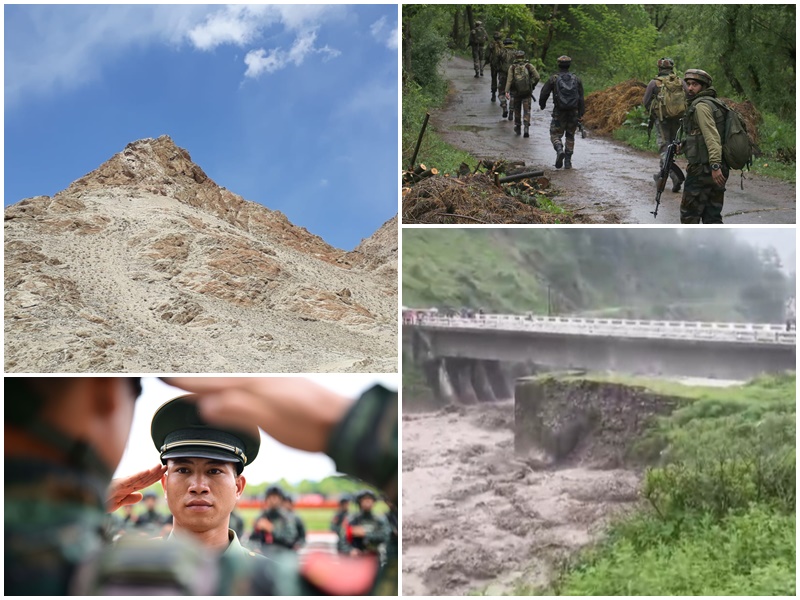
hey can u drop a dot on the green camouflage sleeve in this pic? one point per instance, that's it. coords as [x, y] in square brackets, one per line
[364, 444]
[379, 535]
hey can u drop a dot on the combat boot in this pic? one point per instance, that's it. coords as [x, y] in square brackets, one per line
[493, 97]
[568, 161]
[526, 134]
[510, 115]
[476, 74]
[517, 128]
[505, 113]
[559, 157]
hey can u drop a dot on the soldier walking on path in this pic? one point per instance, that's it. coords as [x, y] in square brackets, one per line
[522, 77]
[506, 60]
[703, 127]
[494, 56]
[568, 109]
[477, 38]
[665, 102]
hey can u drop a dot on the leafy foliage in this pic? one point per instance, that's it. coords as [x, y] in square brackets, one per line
[613, 272]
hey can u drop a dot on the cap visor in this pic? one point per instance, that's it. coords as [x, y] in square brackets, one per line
[201, 452]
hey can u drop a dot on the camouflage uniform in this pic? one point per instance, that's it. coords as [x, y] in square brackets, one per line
[702, 199]
[563, 121]
[521, 102]
[477, 38]
[506, 60]
[284, 530]
[377, 531]
[494, 56]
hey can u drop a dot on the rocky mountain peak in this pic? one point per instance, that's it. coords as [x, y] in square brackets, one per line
[147, 265]
[149, 162]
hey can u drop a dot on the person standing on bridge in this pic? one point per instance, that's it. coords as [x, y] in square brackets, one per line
[703, 127]
[477, 38]
[522, 77]
[568, 109]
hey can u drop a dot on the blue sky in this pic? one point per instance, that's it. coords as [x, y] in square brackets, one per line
[291, 106]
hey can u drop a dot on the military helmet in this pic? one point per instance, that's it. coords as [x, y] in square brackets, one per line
[520, 53]
[344, 498]
[508, 42]
[496, 35]
[274, 490]
[149, 495]
[178, 431]
[564, 60]
[698, 75]
[478, 23]
[666, 63]
[365, 494]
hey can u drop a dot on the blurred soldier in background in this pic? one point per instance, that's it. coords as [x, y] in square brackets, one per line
[150, 520]
[274, 525]
[365, 532]
[299, 526]
[339, 519]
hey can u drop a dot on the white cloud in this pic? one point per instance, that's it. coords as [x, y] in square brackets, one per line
[58, 48]
[392, 42]
[259, 61]
[377, 30]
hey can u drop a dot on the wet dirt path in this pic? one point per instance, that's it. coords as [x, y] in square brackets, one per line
[475, 517]
[610, 182]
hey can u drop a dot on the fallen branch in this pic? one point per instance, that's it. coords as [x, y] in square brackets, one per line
[460, 217]
[519, 176]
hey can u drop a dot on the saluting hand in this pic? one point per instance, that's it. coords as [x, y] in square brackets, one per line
[293, 410]
[125, 490]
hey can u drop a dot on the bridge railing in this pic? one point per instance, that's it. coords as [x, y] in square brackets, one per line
[690, 330]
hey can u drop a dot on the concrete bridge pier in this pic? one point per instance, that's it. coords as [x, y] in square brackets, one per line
[480, 378]
[502, 385]
[461, 372]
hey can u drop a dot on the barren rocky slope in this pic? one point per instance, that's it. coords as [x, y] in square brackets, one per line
[147, 265]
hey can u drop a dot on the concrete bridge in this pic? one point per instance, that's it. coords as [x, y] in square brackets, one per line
[464, 356]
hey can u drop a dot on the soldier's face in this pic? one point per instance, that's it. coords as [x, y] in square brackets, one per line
[693, 87]
[201, 493]
[366, 503]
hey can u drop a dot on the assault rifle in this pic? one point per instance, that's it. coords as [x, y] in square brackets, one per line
[663, 176]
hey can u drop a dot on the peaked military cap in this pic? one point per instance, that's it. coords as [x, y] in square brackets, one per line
[178, 431]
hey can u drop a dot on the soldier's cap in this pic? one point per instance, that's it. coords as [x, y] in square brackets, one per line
[345, 498]
[508, 42]
[274, 490]
[478, 22]
[666, 63]
[520, 53]
[697, 75]
[149, 495]
[564, 59]
[178, 431]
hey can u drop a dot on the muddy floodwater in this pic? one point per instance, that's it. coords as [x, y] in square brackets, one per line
[610, 182]
[476, 517]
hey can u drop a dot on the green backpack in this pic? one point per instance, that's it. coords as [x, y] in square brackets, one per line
[737, 149]
[522, 79]
[671, 100]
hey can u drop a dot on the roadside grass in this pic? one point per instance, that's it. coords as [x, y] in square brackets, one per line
[433, 152]
[718, 513]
